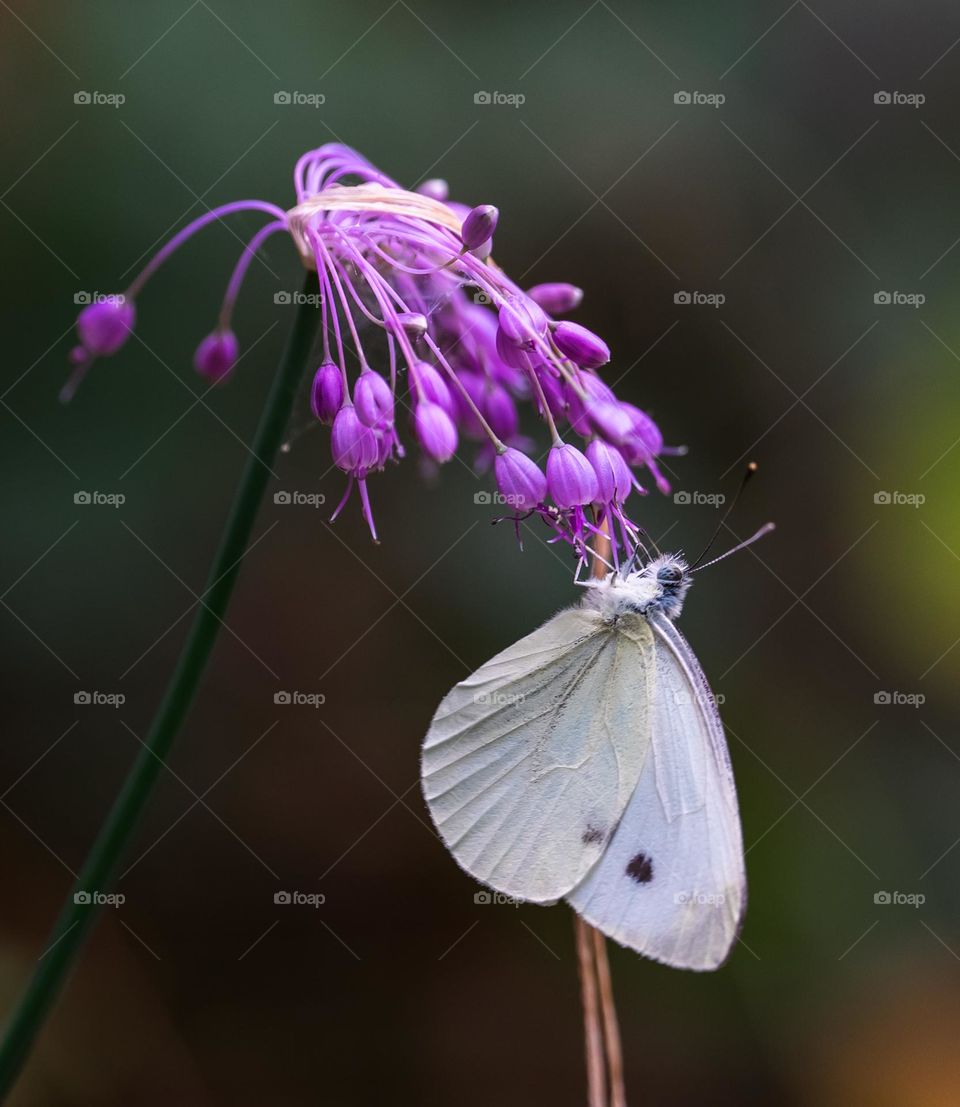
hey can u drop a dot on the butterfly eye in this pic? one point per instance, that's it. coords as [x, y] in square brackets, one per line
[669, 574]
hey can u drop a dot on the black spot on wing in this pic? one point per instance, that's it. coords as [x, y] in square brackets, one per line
[592, 835]
[640, 868]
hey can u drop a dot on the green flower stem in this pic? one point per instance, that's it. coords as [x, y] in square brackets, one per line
[76, 920]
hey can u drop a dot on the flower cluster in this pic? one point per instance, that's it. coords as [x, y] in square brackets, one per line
[419, 324]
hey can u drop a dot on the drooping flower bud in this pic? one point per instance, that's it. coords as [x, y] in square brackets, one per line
[216, 355]
[478, 227]
[373, 399]
[326, 392]
[594, 393]
[433, 387]
[645, 440]
[436, 188]
[643, 444]
[501, 412]
[353, 445]
[478, 349]
[583, 347]
[466, 417]
[435, 431]
[614, 480]
[611, 421]
[556, 298]
[513, 356]
[103, 327]
[522, 321]
[520, 480]
[570, 477]
[552, 392]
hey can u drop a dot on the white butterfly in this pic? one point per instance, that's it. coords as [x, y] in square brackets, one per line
[588, 761]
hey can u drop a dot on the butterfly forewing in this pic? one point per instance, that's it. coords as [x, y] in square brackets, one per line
[671, 884]
[529, 763]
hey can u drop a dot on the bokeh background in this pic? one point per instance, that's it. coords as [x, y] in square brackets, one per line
[798, 200]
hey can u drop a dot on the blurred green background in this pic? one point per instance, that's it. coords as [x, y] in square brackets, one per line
[799, 199]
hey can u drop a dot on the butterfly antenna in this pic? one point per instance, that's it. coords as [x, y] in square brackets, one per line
[751, 469]
[765, 529]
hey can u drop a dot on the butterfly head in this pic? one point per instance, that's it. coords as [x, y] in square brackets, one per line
[660, 585]
[671, 577]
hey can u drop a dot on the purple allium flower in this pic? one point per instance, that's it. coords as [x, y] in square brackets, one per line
[104, 326]
[353, 443]
[431, 386]
[468, 399]
[522, 322]
[552, 387]
[581, 346]
[435, 430]
[510, 354]
[644, 445]
[436, 188]
[478, 227]
[326, 392]
[614, 479]
[557, 298]
[373, 400]
[610, 421]
[407, 293]
[216, 355]
[520, 480]
[501, 412]
[584, 393]
[570, 477]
